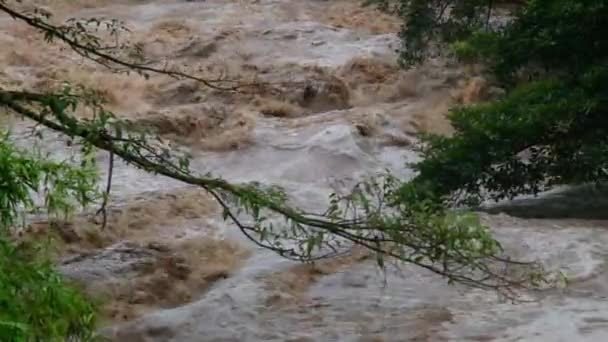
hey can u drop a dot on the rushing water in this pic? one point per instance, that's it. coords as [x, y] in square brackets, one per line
[306, 156]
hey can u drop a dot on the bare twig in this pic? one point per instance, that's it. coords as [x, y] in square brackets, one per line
[103, 210]
[489, 14]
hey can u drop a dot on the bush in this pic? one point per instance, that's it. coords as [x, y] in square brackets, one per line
[548, 129]
[36, 304]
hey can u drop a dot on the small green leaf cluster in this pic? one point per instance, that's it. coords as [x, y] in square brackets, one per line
[35, 303]
[61, 184]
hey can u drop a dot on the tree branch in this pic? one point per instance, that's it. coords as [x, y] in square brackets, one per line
[384, 240]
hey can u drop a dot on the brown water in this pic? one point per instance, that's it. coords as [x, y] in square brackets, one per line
[348, 53]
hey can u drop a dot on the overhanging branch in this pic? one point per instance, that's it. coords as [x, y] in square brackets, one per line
[376, 238]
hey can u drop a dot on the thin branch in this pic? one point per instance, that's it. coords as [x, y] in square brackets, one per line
[103, 209]
[95, 54]
[142, 155]
[489, 14]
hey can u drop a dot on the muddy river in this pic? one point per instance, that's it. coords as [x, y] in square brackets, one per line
[361, 120]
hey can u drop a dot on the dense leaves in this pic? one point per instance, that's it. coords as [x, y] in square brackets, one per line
[548, 129]
[544, 133]
[429, 23]
[35, 304]
[559, 38]
[61, 185]
[566, 35]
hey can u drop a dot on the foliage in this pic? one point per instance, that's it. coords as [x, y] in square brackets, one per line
[560, 34]
[428, 23]
[548, 129]
[541, 134]
[35, 304]
[565, 37]
[63, 185]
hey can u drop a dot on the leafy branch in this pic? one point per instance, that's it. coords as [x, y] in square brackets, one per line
[373, 215]
[455, 246]
[430, 24]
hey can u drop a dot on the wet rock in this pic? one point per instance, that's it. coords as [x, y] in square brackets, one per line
[583, 202]
[198, 49]
[351, 279]
[363, 130]
[176, 267]
[157, 246]
[215, 276]
[178, 93]
[313, 88]
[366, 70]
[279, 297]
[139, 333]
[142, 297]
[206, 126]
[120, 260]
[66, 232]
[322, 94]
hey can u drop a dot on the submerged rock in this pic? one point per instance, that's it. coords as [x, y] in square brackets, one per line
[118, 261]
